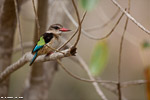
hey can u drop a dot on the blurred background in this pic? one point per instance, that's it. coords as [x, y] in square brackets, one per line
[135, 58]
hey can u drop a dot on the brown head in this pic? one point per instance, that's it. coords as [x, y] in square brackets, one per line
[57, 29]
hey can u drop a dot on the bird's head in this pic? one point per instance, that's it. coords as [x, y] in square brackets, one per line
[57, 29]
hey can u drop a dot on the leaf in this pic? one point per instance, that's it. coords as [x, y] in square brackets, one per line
[99, 58]
[88, 4]
[146, 44]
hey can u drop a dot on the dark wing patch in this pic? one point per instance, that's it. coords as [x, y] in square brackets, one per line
[48, 37]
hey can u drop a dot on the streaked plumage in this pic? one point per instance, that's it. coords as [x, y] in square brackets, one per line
[48, 40]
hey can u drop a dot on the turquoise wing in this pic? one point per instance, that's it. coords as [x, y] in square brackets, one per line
[36, 48]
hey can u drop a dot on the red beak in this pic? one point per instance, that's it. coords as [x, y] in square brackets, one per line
[64, 30]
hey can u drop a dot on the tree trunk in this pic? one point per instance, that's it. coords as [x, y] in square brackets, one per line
[7, 29]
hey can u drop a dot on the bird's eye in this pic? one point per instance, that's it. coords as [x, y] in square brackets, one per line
[56, 27]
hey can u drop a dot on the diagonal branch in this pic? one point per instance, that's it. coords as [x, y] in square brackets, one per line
[131, 18]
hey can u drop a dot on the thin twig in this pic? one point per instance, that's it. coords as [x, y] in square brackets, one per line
[79, 60]
[70, 38]
[36, 18]
[79, 23]
[120, 55]
[19, 25]
[83, 31]
[104, 25]
[95, 84]
[133, 83]
[131, 18]
[83, 79]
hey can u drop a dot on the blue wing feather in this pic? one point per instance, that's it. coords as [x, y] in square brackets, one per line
[36, 48]
[33, 59]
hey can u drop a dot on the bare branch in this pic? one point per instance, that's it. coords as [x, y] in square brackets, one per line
[95, 84]
[120, 55]
[82, 63]
[19, 25]
[83, 31]
[83, 79]
[131, 18]
[104, 25]
[133, 83]
[36, 18]
[71, 37]
[79, 23]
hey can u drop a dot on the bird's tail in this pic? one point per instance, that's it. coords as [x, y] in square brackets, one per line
[33, 59]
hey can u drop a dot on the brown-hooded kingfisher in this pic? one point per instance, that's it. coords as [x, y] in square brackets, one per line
[48, 41]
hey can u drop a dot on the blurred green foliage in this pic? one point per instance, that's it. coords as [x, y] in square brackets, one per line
[145, 44]
[99, 58]
[88, 4]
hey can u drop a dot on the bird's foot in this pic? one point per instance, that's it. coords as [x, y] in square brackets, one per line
[48, 54]
[73, 51]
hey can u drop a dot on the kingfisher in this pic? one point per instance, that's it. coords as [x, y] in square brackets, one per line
[49, 41]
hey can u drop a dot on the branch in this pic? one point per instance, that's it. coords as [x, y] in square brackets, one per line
[133, 83]
[131, 18]
[28, 57]
[79, 23]
[83, 31]
[104, 25]
[19, 25]
[95, 84]
[36, 18]
[85, 80]
[120, 55]
[79, 60]
[71, 37]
